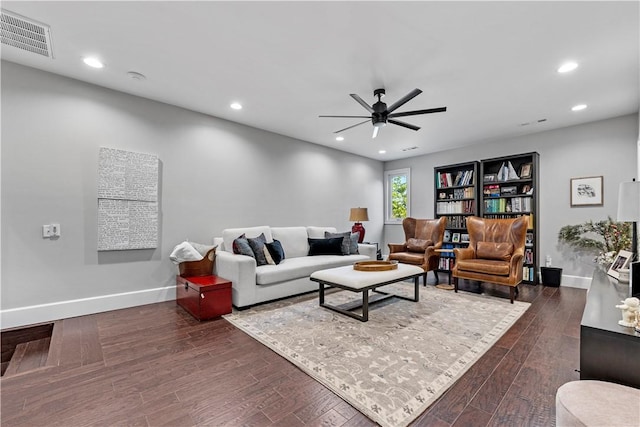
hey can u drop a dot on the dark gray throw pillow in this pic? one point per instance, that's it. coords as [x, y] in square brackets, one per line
[276, 251]
[257, 245]
[346, 240]
[241, 246]
[325, 246]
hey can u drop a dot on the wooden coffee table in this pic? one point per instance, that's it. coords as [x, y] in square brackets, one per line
[363, 281]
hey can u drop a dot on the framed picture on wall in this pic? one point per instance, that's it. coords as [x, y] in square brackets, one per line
[620, 261]
[587, 191]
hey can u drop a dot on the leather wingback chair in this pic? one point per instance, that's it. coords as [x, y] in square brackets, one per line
[422, 238]
[495, 253]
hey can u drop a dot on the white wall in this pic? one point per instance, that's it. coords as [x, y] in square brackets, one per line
[215, 174]
[607, 148]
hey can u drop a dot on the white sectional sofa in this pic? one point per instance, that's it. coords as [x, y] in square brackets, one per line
[253, 284]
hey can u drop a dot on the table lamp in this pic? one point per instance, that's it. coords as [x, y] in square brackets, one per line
[629, 211]
[358, 215]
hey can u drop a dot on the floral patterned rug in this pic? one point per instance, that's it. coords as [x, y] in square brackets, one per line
[394, 366]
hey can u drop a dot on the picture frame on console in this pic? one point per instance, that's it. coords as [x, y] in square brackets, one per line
[622, 260]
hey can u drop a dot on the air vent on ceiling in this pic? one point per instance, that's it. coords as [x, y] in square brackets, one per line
[26, 34]
[410, 148]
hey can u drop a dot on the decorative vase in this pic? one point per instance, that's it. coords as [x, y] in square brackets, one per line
[358, 227]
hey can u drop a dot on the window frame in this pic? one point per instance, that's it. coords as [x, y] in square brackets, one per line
[388, 178]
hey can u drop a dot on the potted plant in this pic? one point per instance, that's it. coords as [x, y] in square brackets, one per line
[603, 238]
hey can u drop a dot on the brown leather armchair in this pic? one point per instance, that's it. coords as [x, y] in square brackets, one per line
[495, 253]
[423, 237]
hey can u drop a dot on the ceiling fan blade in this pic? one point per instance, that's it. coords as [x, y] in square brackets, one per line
[361, 102]
[416, 112]
[349, 117]
[408, 97]
[357, 124]
[403, 124]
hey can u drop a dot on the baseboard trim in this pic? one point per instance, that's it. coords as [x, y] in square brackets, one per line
[34, 314]
[575, 282]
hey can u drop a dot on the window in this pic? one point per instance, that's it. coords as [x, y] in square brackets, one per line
[396, 195]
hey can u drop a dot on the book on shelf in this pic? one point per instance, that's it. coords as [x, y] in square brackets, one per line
[528, 273]
[491, 190]
[454, 207]
[461, 178]
[456, 222]
[513, 204]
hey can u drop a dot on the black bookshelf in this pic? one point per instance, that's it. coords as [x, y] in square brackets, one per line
[456, 198]
[508, 189]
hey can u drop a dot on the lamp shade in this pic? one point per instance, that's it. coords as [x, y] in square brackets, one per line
[629, 201]
[358, 214]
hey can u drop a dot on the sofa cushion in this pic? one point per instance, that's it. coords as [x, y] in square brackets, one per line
[230, 234]
[276, 251]
[325, 246]
[296, 268]
[293, 240]
[257, 246]
[418, 245]
[318, 232]
[241, 246]
[491, 250]
[346, 240]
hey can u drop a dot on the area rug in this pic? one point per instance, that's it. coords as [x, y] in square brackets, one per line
[394, 366]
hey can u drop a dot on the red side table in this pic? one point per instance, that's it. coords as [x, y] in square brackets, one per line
[204, 297]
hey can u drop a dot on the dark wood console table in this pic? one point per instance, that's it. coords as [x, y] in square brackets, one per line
[608, 351]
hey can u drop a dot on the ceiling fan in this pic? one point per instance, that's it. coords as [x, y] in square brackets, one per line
[381, 115]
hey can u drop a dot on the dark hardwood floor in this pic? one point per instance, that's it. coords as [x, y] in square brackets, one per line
[155, 365]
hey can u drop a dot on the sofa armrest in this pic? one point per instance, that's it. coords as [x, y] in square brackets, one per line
[241, 271]
[368, 250]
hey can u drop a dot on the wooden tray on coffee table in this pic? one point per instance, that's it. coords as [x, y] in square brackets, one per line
[375, 265]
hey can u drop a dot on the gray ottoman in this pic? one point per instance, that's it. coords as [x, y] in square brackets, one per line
[597, 403]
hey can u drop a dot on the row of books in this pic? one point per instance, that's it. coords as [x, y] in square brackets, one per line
[528, 273]
[456, 222]
[444, 180]
[460, 206]
[514, 204]
[446, 263]
[464, 193]
[498, 216]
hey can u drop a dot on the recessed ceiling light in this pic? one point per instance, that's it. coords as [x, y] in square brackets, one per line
[567, 66]
[339, 138]
[236, 106]
[93, 62]
[382, 151]
[578, 107]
